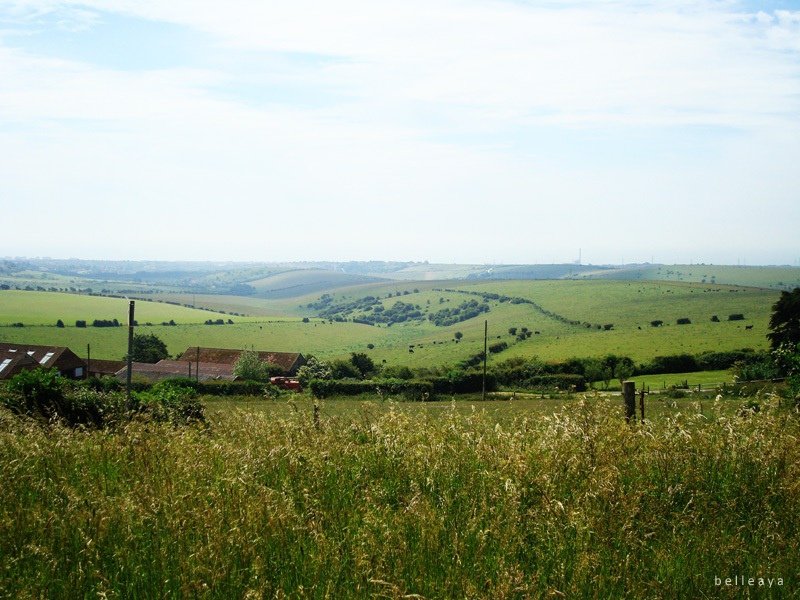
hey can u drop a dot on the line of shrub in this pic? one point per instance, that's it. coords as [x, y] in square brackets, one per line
[409, 389]
[207, 388]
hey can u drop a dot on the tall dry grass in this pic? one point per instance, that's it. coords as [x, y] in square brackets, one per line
[394, 504]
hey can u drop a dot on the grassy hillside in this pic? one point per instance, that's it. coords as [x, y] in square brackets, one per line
[291, 284]
[45, 308]
[775, 277]
[628, 306]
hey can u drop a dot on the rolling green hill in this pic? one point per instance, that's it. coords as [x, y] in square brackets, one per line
[291, 284]
[775, 277]
[569, 315]
[45, 308]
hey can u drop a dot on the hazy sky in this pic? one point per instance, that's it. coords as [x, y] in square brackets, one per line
[441, 130]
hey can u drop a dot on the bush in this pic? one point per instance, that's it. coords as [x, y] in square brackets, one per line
[59, 323]
[716, 361]
[499, 347]
[250, 367]
[105, 323]
[736, 317]
[171, 401]
[684, 321]
[714, 319]
[41, 394]
[674, 363]
[409, 389]
[656, 323]
[756, 370]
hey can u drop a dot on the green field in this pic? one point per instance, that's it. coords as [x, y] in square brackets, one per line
[304, 281]
[45, 308]
[776, 277]
[629, 306]
[527, 499]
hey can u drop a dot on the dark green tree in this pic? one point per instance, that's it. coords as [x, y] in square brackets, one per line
[785, 320]
[363, 363]
[458, 335]
[148, 348]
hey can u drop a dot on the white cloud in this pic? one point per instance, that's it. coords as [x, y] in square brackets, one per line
[426, 124]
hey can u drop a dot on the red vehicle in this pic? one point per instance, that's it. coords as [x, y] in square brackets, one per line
[286, 383]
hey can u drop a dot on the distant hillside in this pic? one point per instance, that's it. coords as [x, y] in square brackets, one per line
[772, 277]
[301, 282]
[564, 271]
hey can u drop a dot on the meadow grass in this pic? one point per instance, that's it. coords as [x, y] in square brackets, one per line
[401, 503]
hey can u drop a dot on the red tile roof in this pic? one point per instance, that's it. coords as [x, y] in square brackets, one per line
[288, 361]
[168, 369]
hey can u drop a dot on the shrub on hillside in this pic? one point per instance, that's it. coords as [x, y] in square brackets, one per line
[684, 321]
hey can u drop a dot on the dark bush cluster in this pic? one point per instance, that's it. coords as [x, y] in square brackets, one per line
[462, 312]
[408, 389]
[105, 323]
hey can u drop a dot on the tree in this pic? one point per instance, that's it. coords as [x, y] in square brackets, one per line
[148, 348]
[785, 320]
[624, 370]
[59, 323]
[512, 331]
[313, 369]
[250, 367]
[458, 335]
[363, 363]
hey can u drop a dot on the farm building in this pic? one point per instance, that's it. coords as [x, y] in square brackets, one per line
[12, 363]
[288, 361]
[62, 358]
[171, 369]
[98, 367]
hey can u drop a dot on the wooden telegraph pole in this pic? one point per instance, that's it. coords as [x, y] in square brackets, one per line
[485, 343]
[130, 357]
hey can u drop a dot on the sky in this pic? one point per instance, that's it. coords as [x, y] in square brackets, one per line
[468, 131]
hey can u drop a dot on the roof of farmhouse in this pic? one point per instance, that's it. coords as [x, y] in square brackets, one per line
[286, 360]
[176, 368]
[46, 356]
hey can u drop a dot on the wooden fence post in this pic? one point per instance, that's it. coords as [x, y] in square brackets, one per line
[641, 405]
[629, 392]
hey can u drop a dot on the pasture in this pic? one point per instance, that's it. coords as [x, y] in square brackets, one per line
[45, 308]
[397, 502]
[629, 306]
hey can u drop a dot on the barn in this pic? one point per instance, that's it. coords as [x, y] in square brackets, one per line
[62, 358]
[288, 361]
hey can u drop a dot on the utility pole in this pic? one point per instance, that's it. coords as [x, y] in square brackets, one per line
[485, 344]
[130, 357]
